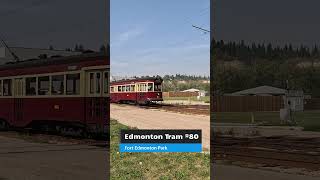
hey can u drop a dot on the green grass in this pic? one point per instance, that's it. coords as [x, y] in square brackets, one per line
[193, 98]
[309, 120]
[162, 166]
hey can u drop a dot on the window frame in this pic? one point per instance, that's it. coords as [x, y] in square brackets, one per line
[66, 84]
[10, 87]
[63, 92]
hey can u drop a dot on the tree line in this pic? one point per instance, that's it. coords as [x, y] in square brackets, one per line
[245, 52]
[183, 77]
[180, 82]
[283, 67]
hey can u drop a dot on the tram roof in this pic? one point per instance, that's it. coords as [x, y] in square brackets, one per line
[54, 60]
[139, 79]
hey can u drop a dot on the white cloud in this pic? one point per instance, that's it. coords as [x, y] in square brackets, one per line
[127, 36]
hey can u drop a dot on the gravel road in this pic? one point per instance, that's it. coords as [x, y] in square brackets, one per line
[158, 119]
[22, 160]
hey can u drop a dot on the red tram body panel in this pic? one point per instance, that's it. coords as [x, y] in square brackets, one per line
[62, 91]
[138, 91]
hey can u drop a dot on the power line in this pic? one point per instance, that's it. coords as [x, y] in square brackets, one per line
[11, 52]
[202, 29]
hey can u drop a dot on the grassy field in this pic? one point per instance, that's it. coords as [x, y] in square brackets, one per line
[162, 166]
[205, 99]
[310, 120]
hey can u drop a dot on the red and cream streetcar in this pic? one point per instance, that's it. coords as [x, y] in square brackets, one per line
[137, 91]
[69, 95]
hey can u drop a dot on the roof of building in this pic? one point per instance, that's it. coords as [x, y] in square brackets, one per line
[191, 90]
[261, 90]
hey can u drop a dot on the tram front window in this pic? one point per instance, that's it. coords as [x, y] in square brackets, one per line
[7, 87]
[150, 86]
[157, 87]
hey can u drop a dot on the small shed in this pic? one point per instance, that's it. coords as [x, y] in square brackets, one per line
[201, 93]
[292, 98]
[261, 91]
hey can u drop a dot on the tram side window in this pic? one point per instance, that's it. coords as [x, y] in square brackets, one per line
[7, 90]
[128, 88]
[142, 87]
[73, 84]
[123, 88]
[119, 89]
[98, 82]
[31, 86]
[0, 87]
[57, 84]
[106, 82]
[91, 83]
[112, 89]
[43, 85]
[150, 86]
[132, 88]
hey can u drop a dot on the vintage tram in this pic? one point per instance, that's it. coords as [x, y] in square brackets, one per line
[137, 91]
[68, 95]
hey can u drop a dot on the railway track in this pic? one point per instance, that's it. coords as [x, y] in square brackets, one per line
[275, 151]
[188, 109]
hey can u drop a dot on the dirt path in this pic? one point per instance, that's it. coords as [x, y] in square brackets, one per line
[158, 119]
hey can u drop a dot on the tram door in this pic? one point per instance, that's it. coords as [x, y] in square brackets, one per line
[141, 95]
[94, 100]
[18, 100]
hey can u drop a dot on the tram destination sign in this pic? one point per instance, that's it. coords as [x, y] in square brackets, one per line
[160, 141]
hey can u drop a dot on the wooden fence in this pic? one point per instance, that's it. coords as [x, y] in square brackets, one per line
[247, 103]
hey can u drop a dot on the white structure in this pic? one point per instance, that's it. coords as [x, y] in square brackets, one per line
[30, 53]
[261, 91]
[200, 92]
[294, 99]
[191, 90]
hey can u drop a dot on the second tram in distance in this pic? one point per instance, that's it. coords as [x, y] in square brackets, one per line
[137, 91]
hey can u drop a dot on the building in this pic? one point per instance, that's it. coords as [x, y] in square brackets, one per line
[261, 91]
[292, 98]
[30, 53]
[201, 93]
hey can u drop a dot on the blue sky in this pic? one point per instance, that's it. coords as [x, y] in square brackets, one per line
[156, 37]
